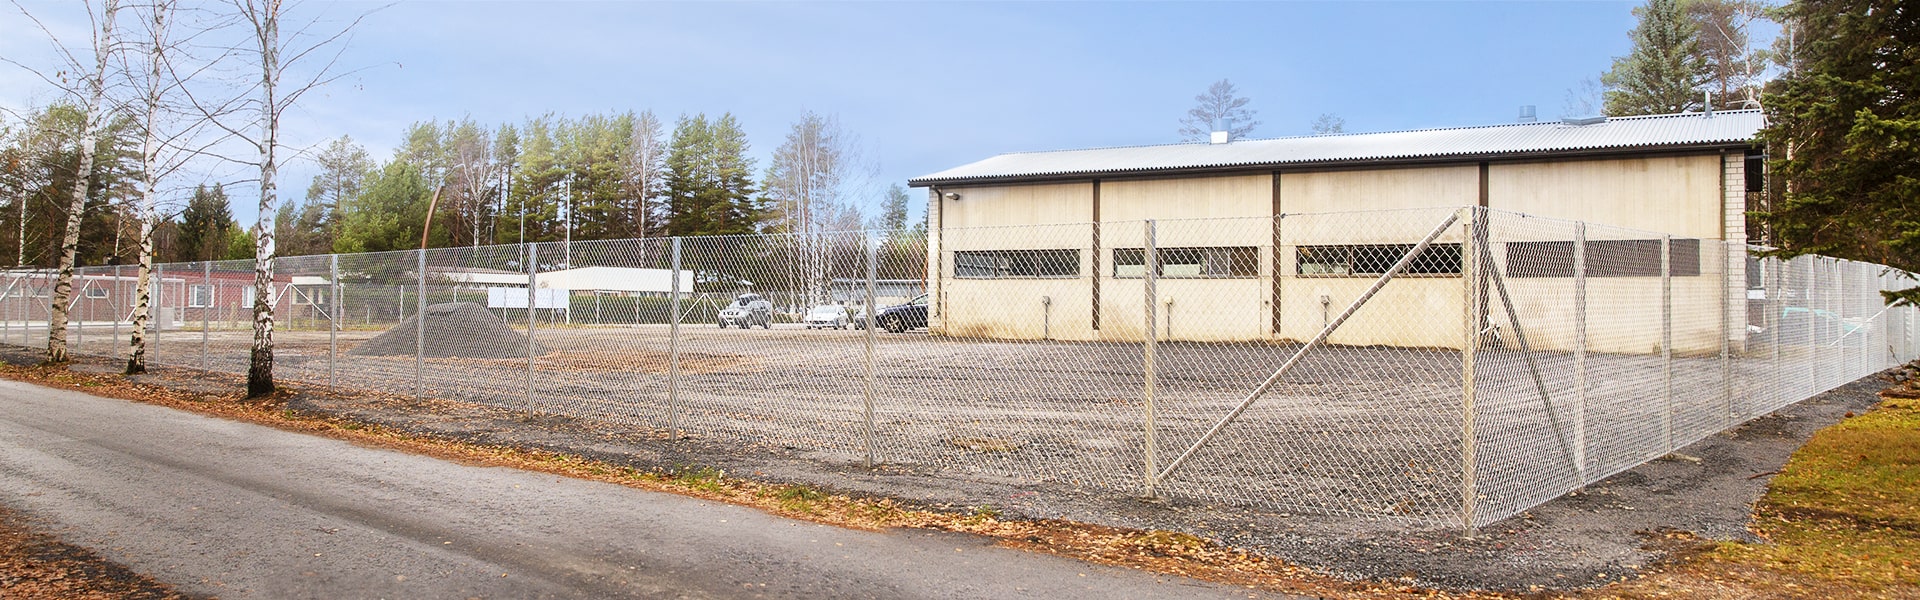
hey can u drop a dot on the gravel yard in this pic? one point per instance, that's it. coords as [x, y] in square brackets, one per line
[1372, 432]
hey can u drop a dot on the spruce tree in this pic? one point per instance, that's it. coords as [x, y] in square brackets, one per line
[1663, 72]
[1843, 133]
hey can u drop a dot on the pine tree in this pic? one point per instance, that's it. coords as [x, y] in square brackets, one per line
[1664, 71]
[204, 225]
[894, 217]
[1841, 133]
[740, 210]
[710, 179]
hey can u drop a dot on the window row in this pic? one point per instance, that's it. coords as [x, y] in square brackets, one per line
[1605, 258]
[1223, 262]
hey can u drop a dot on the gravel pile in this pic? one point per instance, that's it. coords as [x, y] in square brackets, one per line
[454, 329]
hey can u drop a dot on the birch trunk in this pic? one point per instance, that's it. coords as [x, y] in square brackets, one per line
[76, 208]
[260, 368]
[149, 200]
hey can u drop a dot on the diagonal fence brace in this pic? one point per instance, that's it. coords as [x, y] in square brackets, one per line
[1533, 367]
[1317, 340]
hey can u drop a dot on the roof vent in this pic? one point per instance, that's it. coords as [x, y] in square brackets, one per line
[1583, 121]
[1222, 132]
[1527, 115]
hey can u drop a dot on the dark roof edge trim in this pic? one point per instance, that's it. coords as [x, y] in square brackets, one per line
[1402, 161]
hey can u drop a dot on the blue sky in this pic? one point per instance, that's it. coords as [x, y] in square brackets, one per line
[927, 86]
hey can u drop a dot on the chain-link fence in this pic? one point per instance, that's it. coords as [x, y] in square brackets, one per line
[1443, 366]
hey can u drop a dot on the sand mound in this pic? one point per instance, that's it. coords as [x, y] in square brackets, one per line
[454, 330]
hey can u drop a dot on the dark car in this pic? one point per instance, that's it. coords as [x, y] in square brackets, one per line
[898, 319]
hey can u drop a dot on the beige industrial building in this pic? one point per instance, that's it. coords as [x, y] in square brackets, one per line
[1048, 244]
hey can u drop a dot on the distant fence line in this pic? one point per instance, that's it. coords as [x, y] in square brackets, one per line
[1449, 367]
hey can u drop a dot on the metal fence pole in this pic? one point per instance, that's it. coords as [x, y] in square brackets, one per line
[1470, 323]
[1828, 291]
[1666, 337]
[533, 270]
[1726, 330]
[673, 347]
[113, 309]
[1580, 349]
[1774, 285]
[1807, 287]
[335, 303]
[158, 281]
[1150, 341]
[873, 272]
[79, 321]
[1837, 305]
[206, 278]
[420, 326]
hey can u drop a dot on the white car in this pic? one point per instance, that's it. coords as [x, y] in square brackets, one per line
[747, 311]
[828, 315]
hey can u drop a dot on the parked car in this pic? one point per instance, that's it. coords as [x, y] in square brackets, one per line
[1800, 325]
[747, 311]
[827, 315]
[898, 319]
[860, 318]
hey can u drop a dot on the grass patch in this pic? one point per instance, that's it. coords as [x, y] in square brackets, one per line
[1846, 509]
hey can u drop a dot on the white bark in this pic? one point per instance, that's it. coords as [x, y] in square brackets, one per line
[151, 171]
[265, 18]
[96, 88]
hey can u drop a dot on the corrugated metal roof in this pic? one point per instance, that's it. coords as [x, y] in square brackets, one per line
[1688, 129]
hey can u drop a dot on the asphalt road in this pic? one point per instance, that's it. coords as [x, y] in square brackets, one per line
[216, 507]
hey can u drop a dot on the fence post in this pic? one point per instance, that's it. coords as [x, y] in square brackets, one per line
[420, 325]
[159, 283]
[1666, 337]
[1580, 350]
[1826, 302]
[1470, 324]
[1813, 337]
[1151, 279]
[206, 278]
[335, 302]
[113, 309]
[1774, 284]
[873, 272]
[533, 270]
[77, 320]
[673, 347]
[1726, 328]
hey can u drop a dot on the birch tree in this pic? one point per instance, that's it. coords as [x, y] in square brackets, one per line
[645, 172]
[809, 182]
[278, 54]
[170, 135]
[92, 88]
[469, 179]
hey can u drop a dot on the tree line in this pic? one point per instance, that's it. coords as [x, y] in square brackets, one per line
[593, 177]
[1840, 88]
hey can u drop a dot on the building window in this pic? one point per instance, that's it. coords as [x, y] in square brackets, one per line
[1605, 258]
[1009, 264]
[1376, 259]
[96, 292]
[1212, 262]
[200, 296]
